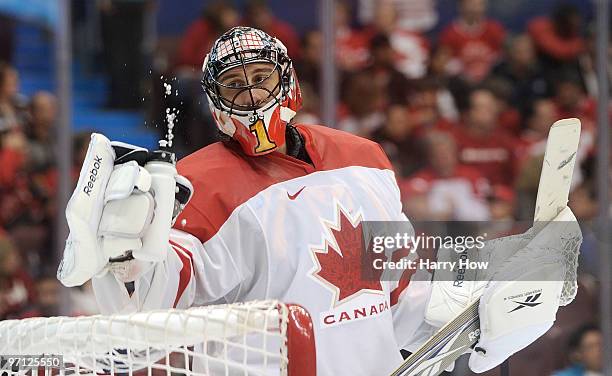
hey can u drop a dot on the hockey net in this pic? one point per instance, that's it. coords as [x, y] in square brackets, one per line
[255, 338]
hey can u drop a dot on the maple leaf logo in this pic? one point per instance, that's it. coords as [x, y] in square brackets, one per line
[344, 267]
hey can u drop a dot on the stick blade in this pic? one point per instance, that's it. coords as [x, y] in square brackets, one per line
[557, 169]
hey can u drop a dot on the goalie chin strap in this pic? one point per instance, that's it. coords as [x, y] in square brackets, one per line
[295, 144]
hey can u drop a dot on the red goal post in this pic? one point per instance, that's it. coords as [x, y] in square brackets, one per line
[253, 338]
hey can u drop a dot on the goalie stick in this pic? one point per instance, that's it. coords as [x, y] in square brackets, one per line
[463, 332]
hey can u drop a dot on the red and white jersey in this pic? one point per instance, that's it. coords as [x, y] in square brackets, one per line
[275, 227]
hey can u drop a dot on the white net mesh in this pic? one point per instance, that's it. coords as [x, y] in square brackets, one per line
[237, 339]
[571, 251]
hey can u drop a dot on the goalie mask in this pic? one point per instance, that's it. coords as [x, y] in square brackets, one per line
[252, 89]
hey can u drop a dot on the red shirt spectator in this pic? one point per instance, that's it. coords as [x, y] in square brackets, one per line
[540, 116]
[202, 33]
[411, 53]
[482, 143]
[571, 100]
[425, 110]
[510, 121]
[411, 49]
[284, 31]
[558, 37]
[352, 45]
[259, 15]
[427, 178]
[585, 110]
[463, 191]
[352, 49]
[493, 156]
[451, 191]
[475, 42]
[12, 161]
[195, 44]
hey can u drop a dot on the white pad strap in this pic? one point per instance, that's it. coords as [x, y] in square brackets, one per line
[128, 211]
[125, 178]
[127, 218]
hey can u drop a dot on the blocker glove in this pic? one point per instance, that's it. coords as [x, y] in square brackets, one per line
[110, 212]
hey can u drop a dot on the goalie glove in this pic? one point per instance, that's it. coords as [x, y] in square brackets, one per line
[520, 303]
[454, 289]
[111, 212]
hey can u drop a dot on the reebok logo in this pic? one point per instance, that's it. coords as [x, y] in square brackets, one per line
[93, 175]
[294, 196]
[474, 335]
[460, 276]
[529, 302]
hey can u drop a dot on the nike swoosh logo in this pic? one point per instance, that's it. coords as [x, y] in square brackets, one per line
[294, 196]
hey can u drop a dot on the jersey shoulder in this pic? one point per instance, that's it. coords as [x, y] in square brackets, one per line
[337, 149]
[213, 172]
[215, 157]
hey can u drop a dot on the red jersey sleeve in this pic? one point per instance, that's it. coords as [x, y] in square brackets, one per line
[545, 38]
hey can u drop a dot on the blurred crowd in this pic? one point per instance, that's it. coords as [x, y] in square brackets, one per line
[462, 110]
[28, 185]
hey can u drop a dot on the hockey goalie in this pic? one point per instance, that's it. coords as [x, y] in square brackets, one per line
[274, 211]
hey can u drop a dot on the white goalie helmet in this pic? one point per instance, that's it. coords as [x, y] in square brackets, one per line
[252, 89]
